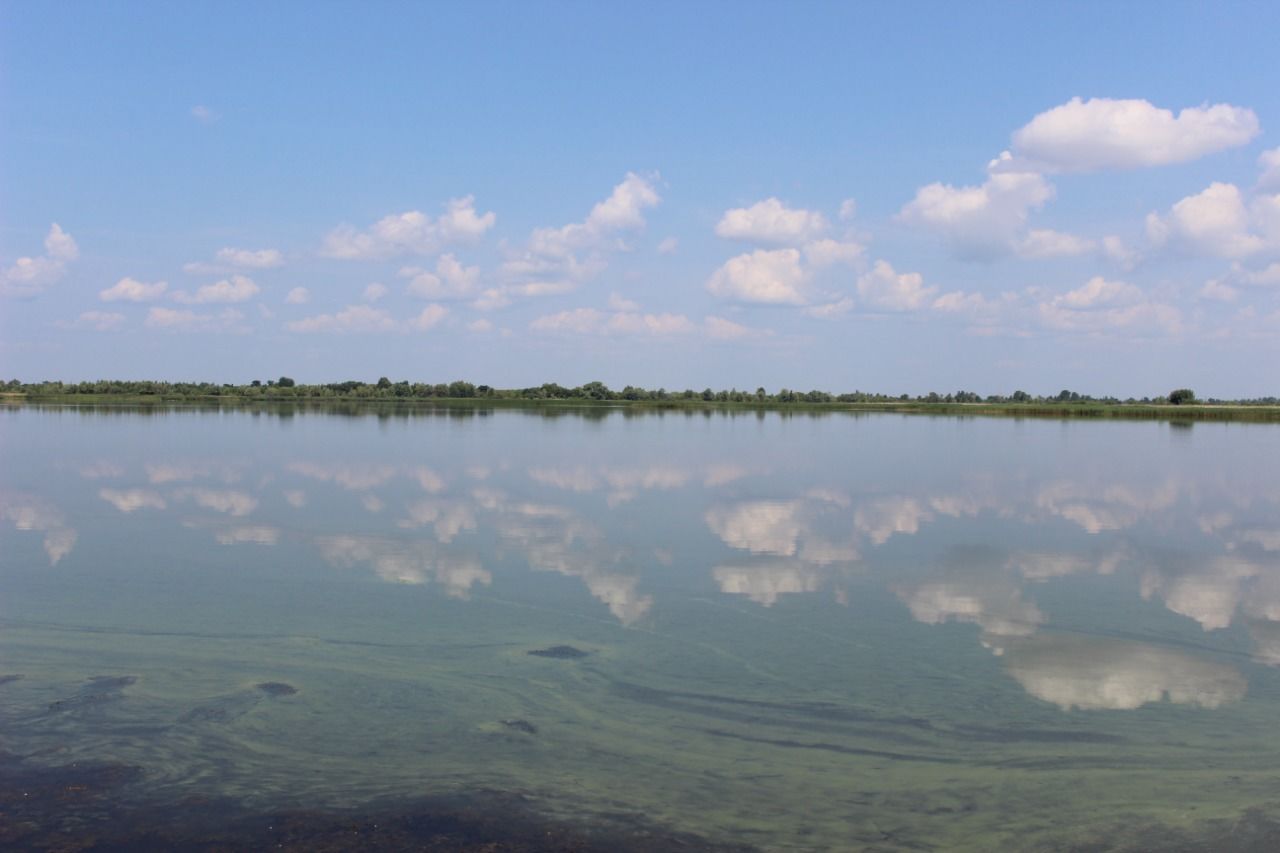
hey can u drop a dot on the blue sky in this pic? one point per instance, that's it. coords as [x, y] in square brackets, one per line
[897, 197]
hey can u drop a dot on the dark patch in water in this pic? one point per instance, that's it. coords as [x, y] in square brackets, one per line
[832, 747]
[99, 690]
[5, 679]
[559, 652]
[84, 807]
[521, 726]
[276, 688]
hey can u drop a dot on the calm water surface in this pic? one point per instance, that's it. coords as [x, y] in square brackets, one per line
[830, 632]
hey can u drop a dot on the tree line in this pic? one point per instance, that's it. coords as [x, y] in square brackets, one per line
[285, 388]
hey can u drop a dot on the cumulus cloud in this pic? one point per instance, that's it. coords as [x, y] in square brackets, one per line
[365, 319]
[229, 321]
[451, 280]
[98, 321]
[590, 321]
[771, 221]
[428, 317]
[668, 245]
[557, 260]
[30, 276]
[237, 288]
[1101, 306]
[1104, 133]
[770, 276]
[987, 221]
[1047, 243]
[373, 292]
[231, 258]
[132, 290]
[298, 296]
[884, 289]
[352, 319]
[721, 329]
[1217, 222]
[410, 233]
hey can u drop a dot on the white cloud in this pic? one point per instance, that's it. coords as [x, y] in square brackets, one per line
[771, 221]
[98, 321]
[557, 260]
[451, 280]
[237, 288]
[767, 276]
[480, 326]
[132, 290]
[1217, 222]
[430, 316]
[373, 292]
[411, 232]
[726, 330]
[29, 276]
[1046, 243]
[668, 246]
[983, 222]
[259, 259]
[848, 209]
[1101, 306]
[618, 302]
[298, 296]
[589, 321]
[352, 319]
[1097, 292]
[828, 310]
[888, 290]
[1104, 133]
[1269, 163]
[228, 321]
[622, 211]
[1115, 250]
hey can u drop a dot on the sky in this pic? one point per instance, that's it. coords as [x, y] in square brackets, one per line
[894, 197]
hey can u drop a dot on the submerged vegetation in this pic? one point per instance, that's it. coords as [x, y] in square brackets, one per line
[1180, 403]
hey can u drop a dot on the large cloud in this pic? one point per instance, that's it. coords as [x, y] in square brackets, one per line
[884, 289]
[771, 221]
[237, 288]
[410, 233]
[988, 221]
[132, 290]
[1105, 133]
[766, 276]
[29, 276]
[557, 260]
[1218, 222]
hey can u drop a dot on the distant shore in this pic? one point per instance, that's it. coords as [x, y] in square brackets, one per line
[1241, 412]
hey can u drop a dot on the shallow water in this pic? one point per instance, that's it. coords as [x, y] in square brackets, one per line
[810, 632]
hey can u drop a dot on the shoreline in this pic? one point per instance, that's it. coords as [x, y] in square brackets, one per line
[1050, 411]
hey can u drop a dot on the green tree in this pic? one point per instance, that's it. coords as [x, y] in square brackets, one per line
[285, 382]
[1182, 396]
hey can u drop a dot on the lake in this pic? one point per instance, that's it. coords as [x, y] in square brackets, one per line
[562, 627]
